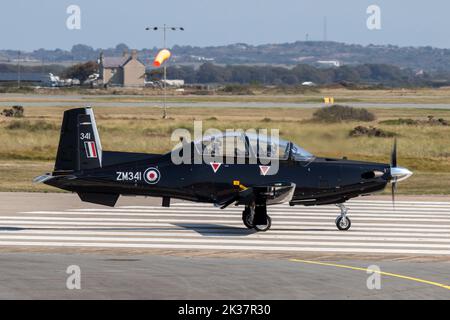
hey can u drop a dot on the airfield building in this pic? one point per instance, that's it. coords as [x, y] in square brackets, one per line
[125, 71]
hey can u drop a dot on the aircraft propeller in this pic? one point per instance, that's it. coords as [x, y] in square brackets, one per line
[397, 173]
[393, 165]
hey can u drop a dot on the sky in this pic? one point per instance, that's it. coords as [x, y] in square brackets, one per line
[33, 24]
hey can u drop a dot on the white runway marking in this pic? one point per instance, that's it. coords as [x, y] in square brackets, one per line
[413, 228]
[303, 216]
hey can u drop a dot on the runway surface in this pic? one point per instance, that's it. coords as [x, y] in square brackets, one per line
[413, 228]
[140, 250]
[230, 104]
[44, 276]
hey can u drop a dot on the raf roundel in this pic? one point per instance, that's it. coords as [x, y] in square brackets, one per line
[152, 175]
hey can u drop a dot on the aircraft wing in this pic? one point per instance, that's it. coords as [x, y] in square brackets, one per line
[270, 194]
[276, 193]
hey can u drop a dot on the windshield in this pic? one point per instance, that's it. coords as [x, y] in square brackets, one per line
[244, 145]
[300, 154]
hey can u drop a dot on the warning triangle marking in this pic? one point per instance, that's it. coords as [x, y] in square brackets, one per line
[215, 166]
[264, 169]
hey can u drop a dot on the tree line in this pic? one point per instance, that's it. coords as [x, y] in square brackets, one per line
[348, 75]
[306, 52]
[372, 74]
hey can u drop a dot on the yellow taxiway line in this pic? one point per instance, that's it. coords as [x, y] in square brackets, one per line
[437, 284]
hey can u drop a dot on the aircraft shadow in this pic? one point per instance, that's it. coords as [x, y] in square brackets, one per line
[205, 229]
[11, 229]
[214, 230]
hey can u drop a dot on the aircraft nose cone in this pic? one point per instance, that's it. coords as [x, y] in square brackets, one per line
[400, 174]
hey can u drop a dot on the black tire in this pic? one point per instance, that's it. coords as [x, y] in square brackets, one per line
[245, 216]
[341, 225]
[264, 228]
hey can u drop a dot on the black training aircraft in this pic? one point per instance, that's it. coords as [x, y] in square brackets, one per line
[100, 177]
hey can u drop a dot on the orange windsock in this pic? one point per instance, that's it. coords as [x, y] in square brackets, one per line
[162, 56]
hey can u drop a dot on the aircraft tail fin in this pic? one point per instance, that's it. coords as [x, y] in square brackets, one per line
[79, 145]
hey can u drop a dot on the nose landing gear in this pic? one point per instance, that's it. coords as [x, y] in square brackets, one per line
[343, 222]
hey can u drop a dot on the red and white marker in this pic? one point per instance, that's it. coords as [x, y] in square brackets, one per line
[152, 175]
[215, 166]
[264, 169]
[91, 151]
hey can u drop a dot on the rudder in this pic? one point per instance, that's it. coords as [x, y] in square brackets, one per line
[79, 145]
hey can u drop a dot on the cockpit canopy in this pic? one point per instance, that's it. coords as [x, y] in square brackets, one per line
[242, 144]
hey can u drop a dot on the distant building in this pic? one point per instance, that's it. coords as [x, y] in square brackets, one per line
[174, 83]
[329, 63]
[200, 58]
[125, 71]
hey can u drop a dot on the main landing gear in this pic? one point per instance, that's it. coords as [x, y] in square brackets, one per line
[255, 217]
[343, 222]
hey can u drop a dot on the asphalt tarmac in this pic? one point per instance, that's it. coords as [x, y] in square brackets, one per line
[51, 243]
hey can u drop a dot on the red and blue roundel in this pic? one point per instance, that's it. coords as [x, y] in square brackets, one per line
[152, 176]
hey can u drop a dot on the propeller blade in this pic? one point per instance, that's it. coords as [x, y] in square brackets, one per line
[394, 155]
[394, 189]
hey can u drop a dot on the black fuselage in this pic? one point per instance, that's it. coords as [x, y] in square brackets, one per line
[317, 181]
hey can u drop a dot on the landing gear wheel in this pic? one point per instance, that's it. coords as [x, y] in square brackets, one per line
[265, 227]
[343, 223]
[246, 218]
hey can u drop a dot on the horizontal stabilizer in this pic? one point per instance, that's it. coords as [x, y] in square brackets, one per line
[105, 199]
[43, 178]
